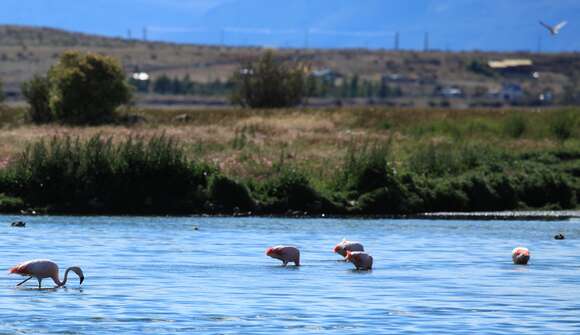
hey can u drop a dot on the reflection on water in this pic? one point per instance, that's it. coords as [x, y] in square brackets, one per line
[160, 276]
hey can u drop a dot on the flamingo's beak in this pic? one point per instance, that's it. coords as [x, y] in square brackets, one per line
[336, 248]
[82, 279]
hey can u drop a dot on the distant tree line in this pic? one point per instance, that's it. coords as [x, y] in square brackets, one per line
[182, 86]
[315, 87]
[350, 87]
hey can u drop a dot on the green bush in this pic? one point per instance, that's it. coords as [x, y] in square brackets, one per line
[268, 83]
[1, 92]
[87, 88]
[229, 194]
[291, 190]
[562, 124]
[134, 176]
[515, 125]
[364, 169]
[542, 187]
[36, 92]
[10, 204]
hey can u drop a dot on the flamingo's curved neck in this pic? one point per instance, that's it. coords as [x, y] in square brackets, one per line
[58, 282]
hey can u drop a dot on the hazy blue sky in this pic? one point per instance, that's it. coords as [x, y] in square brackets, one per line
[452, 24]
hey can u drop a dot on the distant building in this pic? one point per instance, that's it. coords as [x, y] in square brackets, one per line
[509, 92]
[451, 92]
[512, 66]
[327, 75]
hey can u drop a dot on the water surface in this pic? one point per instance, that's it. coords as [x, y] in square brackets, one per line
[161, 276]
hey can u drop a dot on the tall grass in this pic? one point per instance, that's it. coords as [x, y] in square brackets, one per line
[135, 175]
[563, 124]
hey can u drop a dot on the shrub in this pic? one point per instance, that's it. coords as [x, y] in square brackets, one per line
[229, 194]
[515, 125]
[87, 88]
[36, 92]
[134, 176]
[447, 196]
[268, 84]
[1, 92]
[364, 169]
[10, 204]
[291, 190]
[543, 187]
[394, 199]
[562, 124]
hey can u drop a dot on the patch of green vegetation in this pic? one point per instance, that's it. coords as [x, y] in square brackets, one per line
[134, 176]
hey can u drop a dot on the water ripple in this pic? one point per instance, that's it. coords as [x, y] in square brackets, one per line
[159, 276]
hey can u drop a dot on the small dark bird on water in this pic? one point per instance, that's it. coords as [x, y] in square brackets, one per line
[19, 224]
[560, 236]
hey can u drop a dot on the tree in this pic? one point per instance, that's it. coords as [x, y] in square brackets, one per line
[163, 85]
[36, 92]
[86, 88]
[2, 97]
[268, 83]
[1, 92]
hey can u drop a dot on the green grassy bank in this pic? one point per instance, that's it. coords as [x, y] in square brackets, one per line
[330, 161]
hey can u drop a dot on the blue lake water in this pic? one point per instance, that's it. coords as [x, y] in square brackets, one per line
[160, 276]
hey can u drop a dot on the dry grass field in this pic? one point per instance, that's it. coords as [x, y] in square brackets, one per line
[248, 143]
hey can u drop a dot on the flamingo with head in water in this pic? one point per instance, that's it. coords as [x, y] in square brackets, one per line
[520, 256]
[44, 268]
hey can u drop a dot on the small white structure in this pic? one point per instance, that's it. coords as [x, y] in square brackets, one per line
[141, 76]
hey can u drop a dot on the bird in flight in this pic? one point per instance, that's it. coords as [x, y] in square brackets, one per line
[554, 30]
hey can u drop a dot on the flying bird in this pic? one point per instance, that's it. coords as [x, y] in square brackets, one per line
[44, 268]
[554, 30]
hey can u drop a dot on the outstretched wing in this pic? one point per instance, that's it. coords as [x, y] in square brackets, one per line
[559, 26]
[546, 26]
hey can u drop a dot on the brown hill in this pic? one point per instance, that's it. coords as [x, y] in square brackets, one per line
[25, 51]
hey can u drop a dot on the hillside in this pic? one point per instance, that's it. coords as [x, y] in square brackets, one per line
[25, 51]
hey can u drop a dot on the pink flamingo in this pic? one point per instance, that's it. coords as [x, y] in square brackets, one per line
[343, 247]
[360, 260]
[521, 255]
[285, 254]
[44, 268]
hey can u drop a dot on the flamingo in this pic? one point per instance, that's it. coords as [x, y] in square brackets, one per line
[44, 268]
[554, 30]
[520, 255]
[285, 254]
[360, 260]
[345, 246]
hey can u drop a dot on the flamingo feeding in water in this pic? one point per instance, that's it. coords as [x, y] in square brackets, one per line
[285, 254]
[343, 247]
[360, 260]
[44, 268]
[521, 255]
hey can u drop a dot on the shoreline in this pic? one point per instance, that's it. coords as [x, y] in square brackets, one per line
[525, 215]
